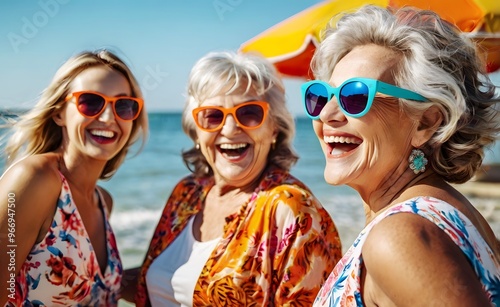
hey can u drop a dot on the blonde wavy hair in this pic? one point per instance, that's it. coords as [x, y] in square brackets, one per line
[227, 73]
[36, 132]
[438, 62]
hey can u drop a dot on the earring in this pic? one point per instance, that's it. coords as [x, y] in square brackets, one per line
[417, 161]
[197, 146]
[273, 144]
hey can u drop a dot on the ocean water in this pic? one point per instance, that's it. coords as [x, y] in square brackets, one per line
[143, 183]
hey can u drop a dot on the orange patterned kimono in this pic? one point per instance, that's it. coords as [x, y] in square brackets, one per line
[277, 251]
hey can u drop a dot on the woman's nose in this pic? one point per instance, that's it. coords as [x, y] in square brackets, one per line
[230, 125]
[108, 114]
[331, 111]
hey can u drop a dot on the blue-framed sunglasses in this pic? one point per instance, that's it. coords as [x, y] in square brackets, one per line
[354, 96]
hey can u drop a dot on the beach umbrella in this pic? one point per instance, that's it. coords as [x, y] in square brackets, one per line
[290, 44]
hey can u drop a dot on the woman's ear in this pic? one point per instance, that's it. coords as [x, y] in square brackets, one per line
[59, 118]
[430, 121]
[276, 133]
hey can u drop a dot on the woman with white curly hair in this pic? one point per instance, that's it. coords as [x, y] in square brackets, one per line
[402, 107]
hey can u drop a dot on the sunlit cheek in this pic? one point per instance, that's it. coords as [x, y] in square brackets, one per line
[384, 112]
[373, 154]
[209, 150]
[384, 148]
[127, 129]
[262, 159]
[395, 125]
[377, 139]
[209, 156]
[262, 145]
[317, 127]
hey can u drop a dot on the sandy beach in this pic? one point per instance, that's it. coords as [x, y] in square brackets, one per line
[485, 196]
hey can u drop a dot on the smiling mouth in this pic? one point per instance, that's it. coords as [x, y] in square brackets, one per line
[233, 150]
[103, 136]
[338, 145]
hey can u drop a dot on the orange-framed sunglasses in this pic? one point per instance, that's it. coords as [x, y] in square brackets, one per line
[248, 115]
[91, 104]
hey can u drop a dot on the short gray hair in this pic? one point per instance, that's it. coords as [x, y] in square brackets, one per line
[438, 62]
[212, 75]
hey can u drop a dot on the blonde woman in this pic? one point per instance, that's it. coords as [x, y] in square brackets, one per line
[54, 214]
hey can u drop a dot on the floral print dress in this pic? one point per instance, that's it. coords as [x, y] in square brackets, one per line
[343, 287]
[277, 251]
[62, 270]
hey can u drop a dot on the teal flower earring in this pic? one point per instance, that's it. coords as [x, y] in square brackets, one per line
[417, 161]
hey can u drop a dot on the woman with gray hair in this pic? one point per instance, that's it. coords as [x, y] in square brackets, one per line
[240, 230]
[402, 107]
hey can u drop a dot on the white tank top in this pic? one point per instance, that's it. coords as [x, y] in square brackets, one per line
[172, 276]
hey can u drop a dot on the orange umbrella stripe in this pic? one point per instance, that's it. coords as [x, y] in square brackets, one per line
[291, 43]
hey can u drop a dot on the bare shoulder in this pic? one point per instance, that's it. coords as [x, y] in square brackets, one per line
[402, 232]
[29, 189]
[36, 183]
[33, 173]
[405, 249]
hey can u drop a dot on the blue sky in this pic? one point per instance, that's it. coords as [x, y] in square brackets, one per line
[160, 39]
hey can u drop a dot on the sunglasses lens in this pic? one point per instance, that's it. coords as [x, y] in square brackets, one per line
[127, 109]
[354, 97]
[210, 118]
[250, 115]
[316, 98]
[90, 104]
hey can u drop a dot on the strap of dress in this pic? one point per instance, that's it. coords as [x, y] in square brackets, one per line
[102, 201]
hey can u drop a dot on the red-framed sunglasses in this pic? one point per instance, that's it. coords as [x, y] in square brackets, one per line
[91, 104]
[248, 115]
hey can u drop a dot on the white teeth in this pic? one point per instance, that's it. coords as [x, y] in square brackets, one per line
[103, 133]
[341, 139]
[336, 152]
[233, 146]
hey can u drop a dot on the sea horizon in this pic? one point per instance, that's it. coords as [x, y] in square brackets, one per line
[143, 183]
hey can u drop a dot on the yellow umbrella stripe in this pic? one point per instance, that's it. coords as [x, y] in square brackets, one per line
[288, 37]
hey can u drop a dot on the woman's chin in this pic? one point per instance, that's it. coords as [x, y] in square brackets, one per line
[333, 179]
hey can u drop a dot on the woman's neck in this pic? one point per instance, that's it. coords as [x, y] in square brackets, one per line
[81, 174]
[401, 190]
